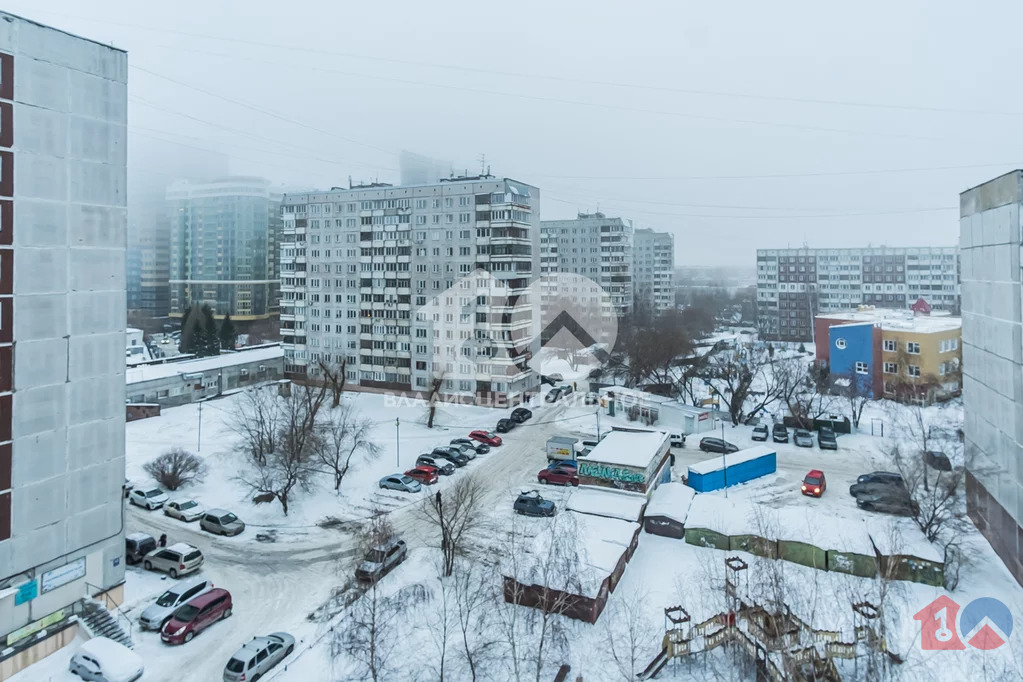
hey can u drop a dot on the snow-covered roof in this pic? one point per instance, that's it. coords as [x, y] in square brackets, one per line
[898, 320]
[599, 544]
[629, 448]
[671, 500]
[716, 462]
[181, 548]
[136, 375]
[610, 503]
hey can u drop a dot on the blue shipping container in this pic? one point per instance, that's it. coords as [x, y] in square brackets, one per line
[733, 469]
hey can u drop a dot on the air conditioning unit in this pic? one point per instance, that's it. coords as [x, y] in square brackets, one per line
[262, 368]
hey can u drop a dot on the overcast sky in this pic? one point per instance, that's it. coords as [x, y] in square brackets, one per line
[648, 110]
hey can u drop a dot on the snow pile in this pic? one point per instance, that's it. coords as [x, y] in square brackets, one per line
[615, 504]
[671, 500]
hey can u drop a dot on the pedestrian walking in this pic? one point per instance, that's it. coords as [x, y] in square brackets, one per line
[163, 540]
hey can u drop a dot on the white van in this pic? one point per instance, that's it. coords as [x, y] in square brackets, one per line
[104, 660]
[678, 440]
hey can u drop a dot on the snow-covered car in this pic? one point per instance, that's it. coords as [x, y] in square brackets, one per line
[401, 483]
[150, 499]
[760, 432]
[258, 656]
[221, 522]
[137, 545]
[553, 395]
[380, 560]
[184, 510]
[159, 612]
[453, 455]
[532, 504]
[197, 615]
[178, 559]
[105, 660]
[442, 465]
[891, 501]
[468, 451]
[480, 448]
[802, 438]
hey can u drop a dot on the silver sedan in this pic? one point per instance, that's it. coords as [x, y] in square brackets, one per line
[184, 510]
[401, 482]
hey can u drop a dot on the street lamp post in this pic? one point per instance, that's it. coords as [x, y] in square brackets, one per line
[397, 442]
[724, 462]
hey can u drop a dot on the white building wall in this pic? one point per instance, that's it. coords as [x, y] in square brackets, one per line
[70, 117]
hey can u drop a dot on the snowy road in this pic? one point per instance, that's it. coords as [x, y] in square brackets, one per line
[275, 585]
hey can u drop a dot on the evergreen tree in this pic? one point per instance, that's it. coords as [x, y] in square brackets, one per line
[210, 340]
[228, 334]
[185, 343]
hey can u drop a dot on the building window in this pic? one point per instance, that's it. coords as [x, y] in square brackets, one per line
[891, 368]
[861, 368]
[913, 371]
[840, 344]
[890, 346]
[913, 347]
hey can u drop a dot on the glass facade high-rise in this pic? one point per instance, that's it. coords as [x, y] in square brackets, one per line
[223, 247]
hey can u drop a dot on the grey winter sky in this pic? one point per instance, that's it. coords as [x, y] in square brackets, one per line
[734, 125]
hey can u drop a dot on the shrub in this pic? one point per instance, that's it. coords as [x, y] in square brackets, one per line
[176, 468]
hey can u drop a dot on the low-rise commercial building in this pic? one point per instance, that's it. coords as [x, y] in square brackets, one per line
[633, 460]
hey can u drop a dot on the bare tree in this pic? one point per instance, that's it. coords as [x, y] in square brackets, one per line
[287, 467]
[258, 421]
[628, 633]
[743, 379]
[857, 390]
[456, 514]
[474, 596]
[175, 468]
[344, 435]
[938, 507]
[435, 385]
[335, 377]
[802, 387]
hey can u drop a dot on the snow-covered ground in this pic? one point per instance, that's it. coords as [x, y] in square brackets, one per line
[280, 585]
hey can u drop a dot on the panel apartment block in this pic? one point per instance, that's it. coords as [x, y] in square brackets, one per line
[794, 285]
[593, 246]
[990, 239]
[63, 117]
[654, 271]
[367, 276]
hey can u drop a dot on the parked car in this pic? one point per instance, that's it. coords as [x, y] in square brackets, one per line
[826, 439]
[760, 432]
[563, 462]
[802, 438]
[178, 559]
[452, 455]
[380, 560]
[566, 389]
[504, 425]
[717, 445]
[882, 477]
[426, 475]
[890, 501]
[486, 437]
[159, 612]
[531, 504]
[591, 398]
[937, 460]
[477, 447]
[780, 434]
[138, 545]
[197, 615]
[184, 510]
[678, 440]
[468, 451]
[258, 656]
[521, 414]
[559, 475]
[546, 379]
[221, 522]
[814, 483]
[443, 466]
[105, 660]
[151, 499]
[553, 395]
[401, 483]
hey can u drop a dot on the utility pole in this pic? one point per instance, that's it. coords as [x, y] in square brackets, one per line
[724, 462]
[598, 421]
[198, 432]
[397, 442]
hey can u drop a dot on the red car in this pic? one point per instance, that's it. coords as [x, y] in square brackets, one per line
[814, 483]
[559, 475]
[486, 437]
[196, 615]
[424, 474]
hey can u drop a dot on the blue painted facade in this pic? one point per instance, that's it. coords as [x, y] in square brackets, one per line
[849, 344]
[733, 474]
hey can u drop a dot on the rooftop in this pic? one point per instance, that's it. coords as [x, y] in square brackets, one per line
[613, 504]
[898, 320]
[135, 375]
[629, 448]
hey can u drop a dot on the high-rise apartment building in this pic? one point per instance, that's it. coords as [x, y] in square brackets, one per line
[149, 237]
[413, 284]
[794, 285]
[62, 300]
[653, 271]
[223, 247]
[593, 246]
[990, 241]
